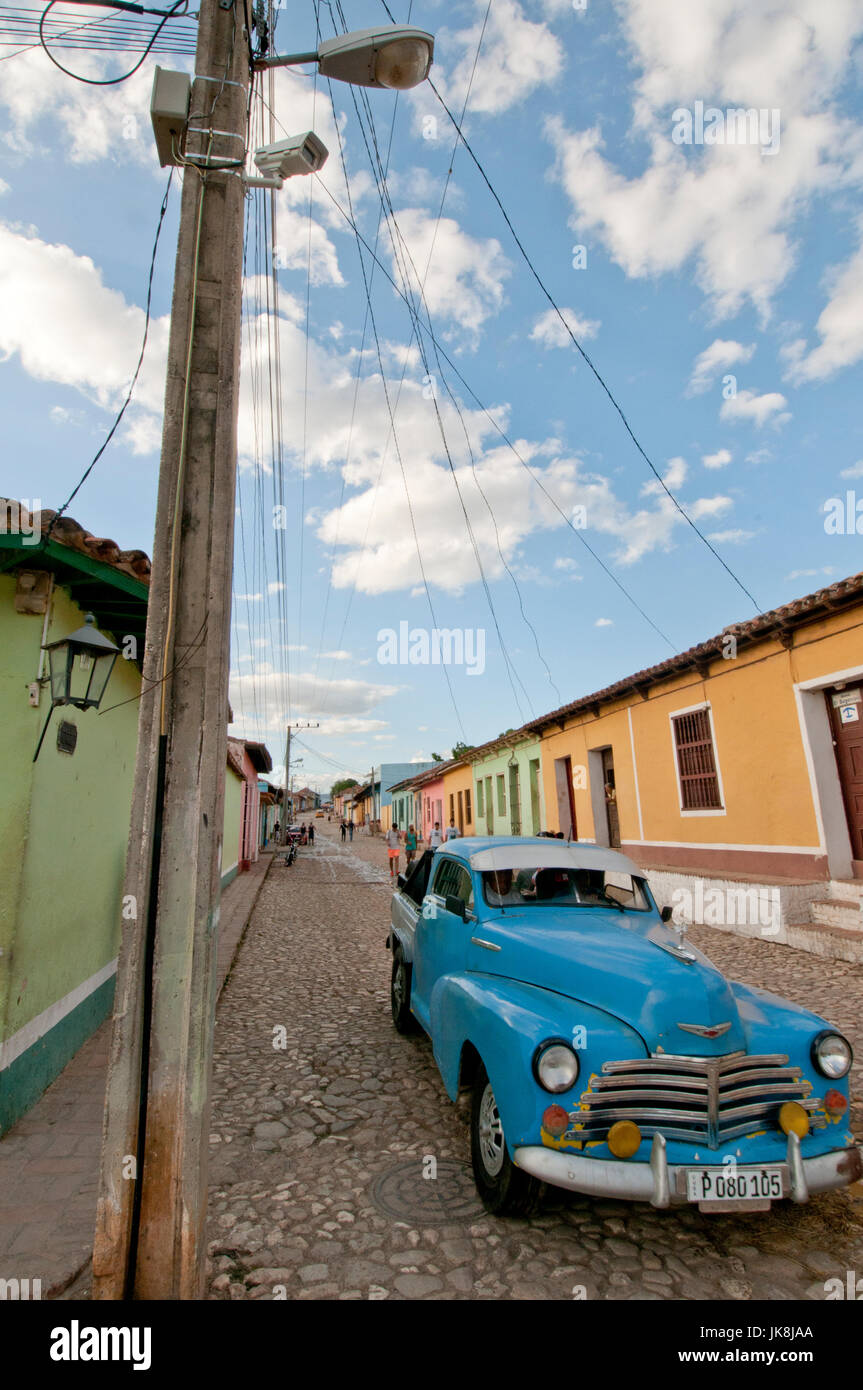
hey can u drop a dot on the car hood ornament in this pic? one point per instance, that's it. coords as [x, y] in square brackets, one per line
[712, 1030]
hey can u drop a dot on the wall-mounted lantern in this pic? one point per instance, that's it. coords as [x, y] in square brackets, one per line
[81, 666]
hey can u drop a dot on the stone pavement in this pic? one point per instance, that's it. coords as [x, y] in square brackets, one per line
[49, 1161]
[340, 1170]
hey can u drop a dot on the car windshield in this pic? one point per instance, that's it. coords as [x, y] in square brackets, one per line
[565, 887]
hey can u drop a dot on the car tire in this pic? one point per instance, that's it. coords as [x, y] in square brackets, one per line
[505, 1190]
[400, 994]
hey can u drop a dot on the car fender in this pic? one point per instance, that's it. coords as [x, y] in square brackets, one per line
[505, 1021]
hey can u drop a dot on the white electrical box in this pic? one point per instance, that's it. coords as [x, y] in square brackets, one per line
[169, 112]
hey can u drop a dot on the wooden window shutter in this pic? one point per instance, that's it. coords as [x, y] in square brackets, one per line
[699, 784]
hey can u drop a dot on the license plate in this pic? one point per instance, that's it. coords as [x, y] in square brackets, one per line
[731, 1185]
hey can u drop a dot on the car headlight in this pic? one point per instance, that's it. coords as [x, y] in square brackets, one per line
[555, 1065]
[832, 1055]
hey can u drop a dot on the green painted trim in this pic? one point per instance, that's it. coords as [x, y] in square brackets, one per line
[229, 876]
[22, 1083]
[65, 555]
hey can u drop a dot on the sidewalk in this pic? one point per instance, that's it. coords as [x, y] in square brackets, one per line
[49, 1161]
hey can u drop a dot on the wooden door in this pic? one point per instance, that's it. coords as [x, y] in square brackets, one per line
[610, 799]
[846, 716]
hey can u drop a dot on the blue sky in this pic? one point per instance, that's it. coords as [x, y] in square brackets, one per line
[704, 262]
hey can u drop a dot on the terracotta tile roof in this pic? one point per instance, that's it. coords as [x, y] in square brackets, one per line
[67, 531]
[235, 757]
[777, 623]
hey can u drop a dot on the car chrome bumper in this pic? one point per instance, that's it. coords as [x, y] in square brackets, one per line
[664, 1185]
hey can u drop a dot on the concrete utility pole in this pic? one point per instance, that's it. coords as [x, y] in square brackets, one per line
[298, 725]
[149, 1240]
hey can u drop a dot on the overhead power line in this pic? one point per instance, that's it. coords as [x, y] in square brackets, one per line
[107, 81]
[595, 370]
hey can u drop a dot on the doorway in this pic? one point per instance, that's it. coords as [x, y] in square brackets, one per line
[610, 790]
[845, 709]
[565, 798]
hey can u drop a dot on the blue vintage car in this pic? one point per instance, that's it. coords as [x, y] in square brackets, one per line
[604, 1053]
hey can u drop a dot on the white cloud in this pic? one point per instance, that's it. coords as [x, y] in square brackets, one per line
[604, 622]
[348, 705]
[732, 537]
[717, 460]
[699, 205]
[462, 276]
[809, 574]
[518, 55]
[721, 354]
[549, 330]
[855, 471]
[839, 326]
[68, 327]
[748, 405]
[88, 123]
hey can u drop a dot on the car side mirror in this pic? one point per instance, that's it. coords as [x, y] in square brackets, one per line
[400, 880]
[455, 906]
[666, 914]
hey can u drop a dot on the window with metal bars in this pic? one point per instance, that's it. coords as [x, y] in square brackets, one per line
[696, 765]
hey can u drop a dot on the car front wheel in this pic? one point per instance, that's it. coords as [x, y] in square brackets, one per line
[505, 1190]
[400, 995]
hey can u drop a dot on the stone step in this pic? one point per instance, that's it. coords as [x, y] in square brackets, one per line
[848, 888]
[833, 943]
[837, 912]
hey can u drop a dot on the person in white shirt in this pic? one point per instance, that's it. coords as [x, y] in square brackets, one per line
[393, 838]
[452, 831]
[435, 838]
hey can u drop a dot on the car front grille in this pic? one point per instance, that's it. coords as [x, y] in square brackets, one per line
[704, 1100]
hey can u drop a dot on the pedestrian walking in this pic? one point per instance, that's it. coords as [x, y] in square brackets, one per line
[344, 830]
[311, 834]
[410, 845]
[351, 831]
[452, 831]
[435, 838]
[393, 839]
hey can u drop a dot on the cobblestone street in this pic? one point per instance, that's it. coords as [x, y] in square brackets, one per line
[325, 1122]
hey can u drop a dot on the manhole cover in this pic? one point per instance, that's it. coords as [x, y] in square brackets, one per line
[427, 1192]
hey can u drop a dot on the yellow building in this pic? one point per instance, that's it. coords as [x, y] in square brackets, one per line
[741, 758]
[458, 796]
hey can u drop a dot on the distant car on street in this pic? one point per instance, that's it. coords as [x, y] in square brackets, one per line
[604, 1053]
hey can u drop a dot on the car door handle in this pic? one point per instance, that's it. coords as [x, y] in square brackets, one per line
[488, 945]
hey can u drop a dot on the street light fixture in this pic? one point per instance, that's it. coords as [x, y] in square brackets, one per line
[394, 56]
[81, 666]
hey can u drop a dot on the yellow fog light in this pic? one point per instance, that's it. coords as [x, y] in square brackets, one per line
[624, 1138]
[793, 1119]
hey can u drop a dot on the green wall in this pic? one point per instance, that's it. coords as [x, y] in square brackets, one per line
[231, 826]
[496, 765]
[63, 830]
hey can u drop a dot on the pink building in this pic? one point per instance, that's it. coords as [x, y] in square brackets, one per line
[428, 798]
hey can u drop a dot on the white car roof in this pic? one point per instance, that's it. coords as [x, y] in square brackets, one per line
[554, 854]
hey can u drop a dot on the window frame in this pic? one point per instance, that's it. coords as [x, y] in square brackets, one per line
[694, 811]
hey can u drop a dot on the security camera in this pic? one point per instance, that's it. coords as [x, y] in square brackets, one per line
[300, 154]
